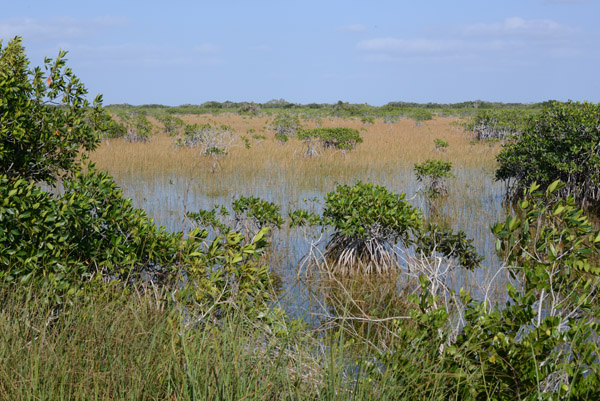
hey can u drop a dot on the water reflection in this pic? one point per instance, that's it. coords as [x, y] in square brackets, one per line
[474, 202]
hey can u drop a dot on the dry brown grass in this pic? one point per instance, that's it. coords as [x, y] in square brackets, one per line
[387, 148]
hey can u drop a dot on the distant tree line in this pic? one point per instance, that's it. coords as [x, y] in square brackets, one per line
[340, 109]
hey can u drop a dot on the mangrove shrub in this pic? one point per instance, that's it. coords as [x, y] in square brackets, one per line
[561, 143]
[368, 222]
[46, 122]
[336, 138]
[434, 174]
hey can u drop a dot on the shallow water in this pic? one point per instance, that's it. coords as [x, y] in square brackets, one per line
[474, 202]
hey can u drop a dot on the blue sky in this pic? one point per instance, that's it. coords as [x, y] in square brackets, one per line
[374, 52]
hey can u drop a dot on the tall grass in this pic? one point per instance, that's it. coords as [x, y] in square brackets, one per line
[386, 147]
[115, 346]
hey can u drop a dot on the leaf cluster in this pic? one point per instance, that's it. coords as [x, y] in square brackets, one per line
[440, 144]
[46, 122]
[561, 143]
[172, 124]
[498, 124]
[211, 139]
[420, 115]
[337, 138]
[227, 275]
[355, 210]
[552, 234]
[250, 215]
[137, 126]
[435, 239]
[434, 174]
[285, 125]
[433, 169]
[263, 213]
[367, 120]
[89, 230]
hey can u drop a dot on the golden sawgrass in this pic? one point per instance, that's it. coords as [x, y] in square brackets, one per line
[387, 147]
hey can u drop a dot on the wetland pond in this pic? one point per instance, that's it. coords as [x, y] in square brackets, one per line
[168, 182]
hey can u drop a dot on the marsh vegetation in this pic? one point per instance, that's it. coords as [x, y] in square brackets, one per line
[277, 251]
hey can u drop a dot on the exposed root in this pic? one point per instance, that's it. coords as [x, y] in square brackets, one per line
[350, 255]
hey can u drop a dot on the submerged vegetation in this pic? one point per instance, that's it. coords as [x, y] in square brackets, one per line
[97, 302]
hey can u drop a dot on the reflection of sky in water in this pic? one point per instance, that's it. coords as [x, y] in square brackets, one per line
[473, 204]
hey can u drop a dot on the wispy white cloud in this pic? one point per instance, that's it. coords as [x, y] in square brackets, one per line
[512, 38]
[516, 26]
[353, 28]
[58, 28]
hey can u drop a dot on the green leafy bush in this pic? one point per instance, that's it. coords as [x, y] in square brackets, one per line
[261, 213]
[542, 344]
[250, 215]
[91, 233]
[227, 275]
[337, 138]
[115, 130]
[46, 121]
[499, 124]
[137, 125]
[543, 341]
[368, 222]
[213, 141]
[285, 125]
[434, 174]
[356, 210]
[561, 143]
[249, 108]
[304, 218]
[434, 239]
[172, 125]
[440, 144]
[89, 230]
[282, 138]
[367, 120]
[420, 115]
[550, 232]
[209, 138]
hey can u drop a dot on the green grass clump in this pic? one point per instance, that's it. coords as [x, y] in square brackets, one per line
[115, 345]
